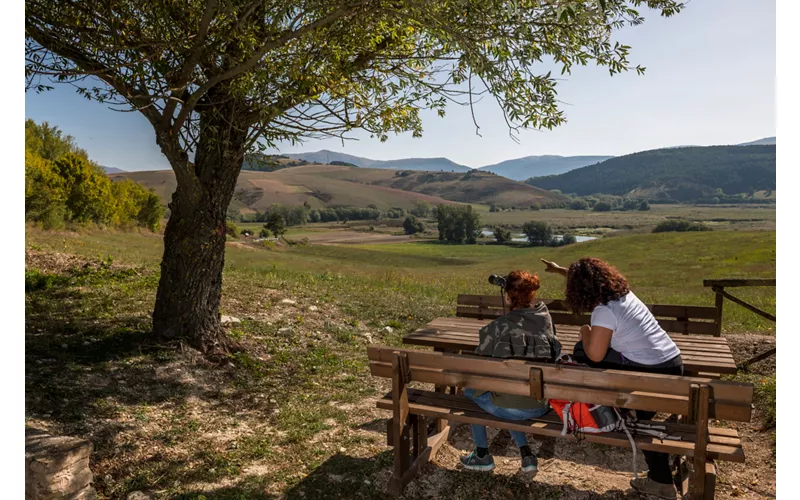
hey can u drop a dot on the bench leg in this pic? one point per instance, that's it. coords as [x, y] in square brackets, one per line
[710, 480]
[704, 396]
[682, 476]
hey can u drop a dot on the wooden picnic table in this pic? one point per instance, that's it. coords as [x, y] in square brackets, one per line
[702, 355]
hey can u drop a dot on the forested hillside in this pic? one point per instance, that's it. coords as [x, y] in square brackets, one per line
[680, 174]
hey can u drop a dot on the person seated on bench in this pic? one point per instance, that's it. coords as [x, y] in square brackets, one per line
[526, 332]
[623, 335]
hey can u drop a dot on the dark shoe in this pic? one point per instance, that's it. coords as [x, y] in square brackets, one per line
[474, 462]
[530, 465]
[647, 486]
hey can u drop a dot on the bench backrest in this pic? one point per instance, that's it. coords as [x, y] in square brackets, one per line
[673, 319]
[636, 390]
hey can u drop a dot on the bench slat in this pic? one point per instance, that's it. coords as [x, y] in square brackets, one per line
[549, 427]
[611, 387]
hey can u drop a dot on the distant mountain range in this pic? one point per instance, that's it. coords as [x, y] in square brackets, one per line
[518, 169]
[536, 166]
[112, 170]
[431, 164]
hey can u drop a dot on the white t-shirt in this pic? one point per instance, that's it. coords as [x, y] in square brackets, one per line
[637, 335]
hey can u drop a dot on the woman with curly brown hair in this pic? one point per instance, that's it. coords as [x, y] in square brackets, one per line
[623, 335]
[525, 332]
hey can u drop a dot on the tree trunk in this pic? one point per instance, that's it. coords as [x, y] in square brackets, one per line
[190, 288]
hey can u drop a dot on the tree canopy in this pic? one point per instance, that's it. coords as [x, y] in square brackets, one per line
[217, 79]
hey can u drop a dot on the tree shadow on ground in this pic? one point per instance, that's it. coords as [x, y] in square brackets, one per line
[93, 369]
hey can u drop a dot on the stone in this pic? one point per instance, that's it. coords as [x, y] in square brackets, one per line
[285, 331]
[57, 467]
[229, 320]
[288, 301]
[313, 308]
[389, 329]
[368, 337]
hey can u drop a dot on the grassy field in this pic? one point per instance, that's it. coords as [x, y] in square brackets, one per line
[731, 217]
[293, 416]
[662, 268]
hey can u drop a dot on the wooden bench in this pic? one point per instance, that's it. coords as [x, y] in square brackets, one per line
[696, 399]
[696, 320]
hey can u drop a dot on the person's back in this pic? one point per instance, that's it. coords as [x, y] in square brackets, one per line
[520, 334]
[524, 333]
[637, 334]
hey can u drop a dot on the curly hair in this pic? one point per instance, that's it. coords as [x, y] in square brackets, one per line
[521, 288]
[591, 282]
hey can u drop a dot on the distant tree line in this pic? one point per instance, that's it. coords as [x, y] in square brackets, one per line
[62, 185]
[677, 225]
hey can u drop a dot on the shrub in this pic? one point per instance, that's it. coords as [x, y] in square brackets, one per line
[675, 225]
[264, 233]
[602, 206]
[412, 225]
[568, 239]
[501, 235]
[578, 204]
[231, 229]
[644, 206]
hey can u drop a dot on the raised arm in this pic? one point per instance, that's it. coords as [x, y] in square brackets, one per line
[552, 267]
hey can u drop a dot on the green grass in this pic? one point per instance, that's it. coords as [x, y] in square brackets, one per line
[92, 367]
[410, 279]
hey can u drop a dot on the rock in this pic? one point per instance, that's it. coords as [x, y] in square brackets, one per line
[286, 330]
[342, 449]
[313, 308]
[389, 329]
[368, 337]
[137, 495]
[336, 478]
[64, 346]
[288, 301]
[57, 467]
[229, 320]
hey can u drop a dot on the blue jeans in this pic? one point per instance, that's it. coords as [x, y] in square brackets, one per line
[485, 402]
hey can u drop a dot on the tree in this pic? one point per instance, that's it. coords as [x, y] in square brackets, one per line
[501, 235]
[492, 207]
[264, 233]
[539, 233]
[644, 206]
[458, 223]
[412, 225]
[275, 225]
[219, 79]
[421, 208]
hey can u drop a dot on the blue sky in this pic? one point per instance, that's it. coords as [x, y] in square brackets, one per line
[710, 80]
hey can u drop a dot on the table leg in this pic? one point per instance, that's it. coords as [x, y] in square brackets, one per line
[441, 424]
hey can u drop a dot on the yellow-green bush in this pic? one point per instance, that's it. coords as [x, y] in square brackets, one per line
[63, 185]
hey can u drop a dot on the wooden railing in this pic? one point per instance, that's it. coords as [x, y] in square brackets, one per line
[718, 287]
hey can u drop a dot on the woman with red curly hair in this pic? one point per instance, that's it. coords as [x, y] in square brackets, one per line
[622, 335]
[526, 332]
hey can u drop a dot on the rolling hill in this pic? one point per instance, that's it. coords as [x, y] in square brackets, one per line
[474, 186]
[432, 164]
[331, 185]
[681, 174]
[520, 169]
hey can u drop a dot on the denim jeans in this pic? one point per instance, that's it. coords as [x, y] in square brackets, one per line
[485, 402]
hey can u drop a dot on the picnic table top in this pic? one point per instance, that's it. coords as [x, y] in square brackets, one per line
[700, 353]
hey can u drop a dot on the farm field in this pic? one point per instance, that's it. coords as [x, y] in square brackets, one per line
[293, 415]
